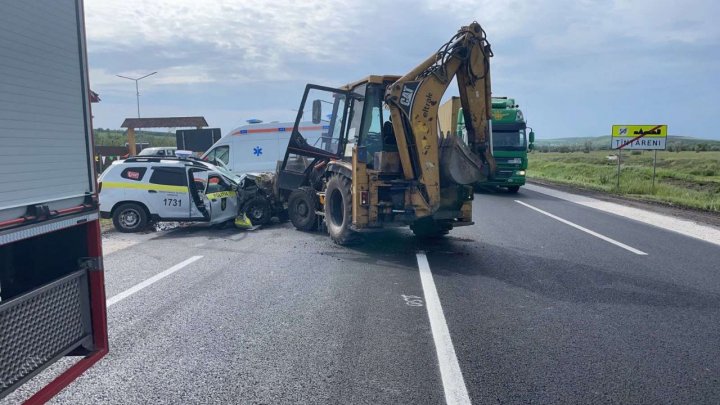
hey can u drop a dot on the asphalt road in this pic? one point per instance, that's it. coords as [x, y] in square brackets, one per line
[536, 310]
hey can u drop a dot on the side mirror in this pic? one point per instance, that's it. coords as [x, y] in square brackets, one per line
[532, 137]
[531, 146]
[317, 112]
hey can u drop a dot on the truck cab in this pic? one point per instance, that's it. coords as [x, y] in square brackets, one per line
[510, 143]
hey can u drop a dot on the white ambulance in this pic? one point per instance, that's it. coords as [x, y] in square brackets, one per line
[258, 146]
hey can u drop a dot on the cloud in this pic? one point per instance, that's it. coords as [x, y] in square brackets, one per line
[650, 21]
[234, 41]
[254, 55]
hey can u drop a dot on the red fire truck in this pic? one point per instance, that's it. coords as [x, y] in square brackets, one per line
[52, 296]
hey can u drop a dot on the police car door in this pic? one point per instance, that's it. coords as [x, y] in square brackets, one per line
[223, 198]
[200, 207]
[168, 193]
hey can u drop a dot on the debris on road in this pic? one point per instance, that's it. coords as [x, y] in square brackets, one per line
[243, 222]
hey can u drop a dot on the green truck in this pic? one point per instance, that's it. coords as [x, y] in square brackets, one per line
[509, 143]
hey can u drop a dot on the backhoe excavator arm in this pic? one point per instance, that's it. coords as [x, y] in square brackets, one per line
[414, 101]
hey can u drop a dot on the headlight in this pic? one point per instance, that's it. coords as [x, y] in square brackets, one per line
[521, 172]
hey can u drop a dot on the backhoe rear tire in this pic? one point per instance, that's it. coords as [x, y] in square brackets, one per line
[302, 205]
[338, 210]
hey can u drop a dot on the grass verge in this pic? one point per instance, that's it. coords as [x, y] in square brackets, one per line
[683, 179]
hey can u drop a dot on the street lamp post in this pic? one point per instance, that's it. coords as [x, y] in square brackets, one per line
[131, 131]
[137, 89]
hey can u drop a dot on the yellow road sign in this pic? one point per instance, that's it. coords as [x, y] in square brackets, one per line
[646, 137]
[653, 131]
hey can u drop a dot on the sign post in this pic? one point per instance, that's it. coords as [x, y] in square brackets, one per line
[638, 137]
[617, 186]
[654, 165]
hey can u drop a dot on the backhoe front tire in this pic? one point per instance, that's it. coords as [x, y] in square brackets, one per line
[338, 209]
[302, 205]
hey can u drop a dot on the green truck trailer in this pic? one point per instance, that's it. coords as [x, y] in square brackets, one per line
[509, 139]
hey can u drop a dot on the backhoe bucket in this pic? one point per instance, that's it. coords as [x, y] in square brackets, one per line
[458, 164]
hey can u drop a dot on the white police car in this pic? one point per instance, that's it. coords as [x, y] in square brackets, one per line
[139, 190]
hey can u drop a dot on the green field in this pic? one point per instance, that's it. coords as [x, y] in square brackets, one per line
[685, 179]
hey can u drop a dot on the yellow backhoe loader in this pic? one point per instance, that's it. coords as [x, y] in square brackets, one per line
[381, 159]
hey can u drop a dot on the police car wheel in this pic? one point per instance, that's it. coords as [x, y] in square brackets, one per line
[130, 217]
[258, 211]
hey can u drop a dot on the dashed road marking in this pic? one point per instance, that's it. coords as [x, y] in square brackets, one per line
[452, 378]
[152, 280]
[588, 231]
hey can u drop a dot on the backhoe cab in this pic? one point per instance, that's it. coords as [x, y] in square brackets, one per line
[380, 159]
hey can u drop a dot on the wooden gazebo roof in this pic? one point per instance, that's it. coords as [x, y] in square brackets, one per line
[165, 122]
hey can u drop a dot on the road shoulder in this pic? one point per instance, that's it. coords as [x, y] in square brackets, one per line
[687, 227]
[689, 214]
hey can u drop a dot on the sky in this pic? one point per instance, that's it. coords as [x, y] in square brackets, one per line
[576, 67]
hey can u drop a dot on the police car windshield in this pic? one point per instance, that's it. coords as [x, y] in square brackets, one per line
[226, 172]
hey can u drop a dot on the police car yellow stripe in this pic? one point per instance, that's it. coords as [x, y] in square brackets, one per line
[142, 186]
[221, 194]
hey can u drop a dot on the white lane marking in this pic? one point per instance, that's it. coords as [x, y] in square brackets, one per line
[154, 279]
[452, 378]
[681, 226]
[593, 233]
